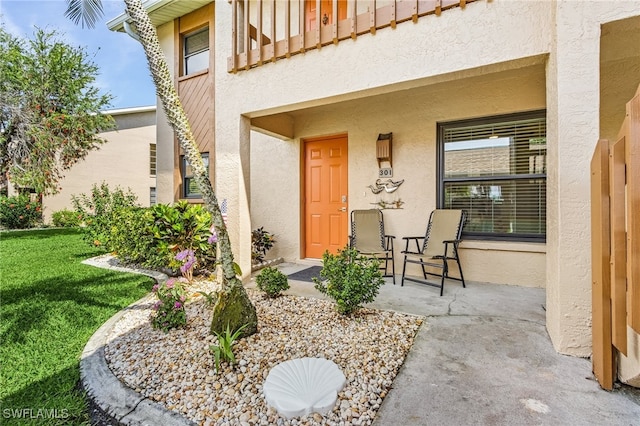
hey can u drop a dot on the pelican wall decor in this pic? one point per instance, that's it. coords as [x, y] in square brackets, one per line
[387, 186]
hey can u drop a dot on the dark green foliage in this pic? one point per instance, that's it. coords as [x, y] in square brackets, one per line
[66, 219]
[101, 211]
[149, 237]
[50, 109]
[261, 242]
[19, 212]
[351, 279]
[180, 227]
[272, 281]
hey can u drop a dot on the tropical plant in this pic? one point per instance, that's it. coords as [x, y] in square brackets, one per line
[180, 227]
[223, 351]
[169, 311]
[233, 307]
[261, 242]
[101, 210]
[50, 110]
[349, 279]
[19, 212]
[271, 281]
[66, 218]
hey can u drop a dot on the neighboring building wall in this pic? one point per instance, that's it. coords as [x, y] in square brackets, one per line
[122, 161]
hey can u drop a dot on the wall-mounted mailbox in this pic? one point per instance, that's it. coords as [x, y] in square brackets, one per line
[383, 148]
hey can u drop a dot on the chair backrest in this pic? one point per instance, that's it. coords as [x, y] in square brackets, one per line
[444, 224]
[367, 230]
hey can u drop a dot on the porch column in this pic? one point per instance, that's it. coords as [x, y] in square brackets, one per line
[573, 117]
[233, 184]
[573, 112]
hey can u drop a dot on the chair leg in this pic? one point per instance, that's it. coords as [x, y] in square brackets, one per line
[459, 266]
[445, 274]
[404, 268]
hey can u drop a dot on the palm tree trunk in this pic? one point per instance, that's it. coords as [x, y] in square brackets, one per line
[233, 307]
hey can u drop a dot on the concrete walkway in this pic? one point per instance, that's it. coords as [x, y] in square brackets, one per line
[483, 357]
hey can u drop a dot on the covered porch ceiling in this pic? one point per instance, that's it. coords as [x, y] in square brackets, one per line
[281, 122]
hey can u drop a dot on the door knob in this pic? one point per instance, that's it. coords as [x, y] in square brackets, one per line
[342, 209]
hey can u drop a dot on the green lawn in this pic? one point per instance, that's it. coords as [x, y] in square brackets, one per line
[50, 305]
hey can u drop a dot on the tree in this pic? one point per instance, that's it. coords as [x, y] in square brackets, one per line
[232, 309]
[49, 110]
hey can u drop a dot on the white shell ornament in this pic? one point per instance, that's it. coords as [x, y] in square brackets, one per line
[305, 385]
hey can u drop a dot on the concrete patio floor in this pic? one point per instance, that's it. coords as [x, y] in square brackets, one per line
[483, 357]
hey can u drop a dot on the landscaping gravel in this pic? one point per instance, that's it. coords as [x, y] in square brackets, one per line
[177, 369]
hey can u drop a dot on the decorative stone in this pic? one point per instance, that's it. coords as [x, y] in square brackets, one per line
[305, 385]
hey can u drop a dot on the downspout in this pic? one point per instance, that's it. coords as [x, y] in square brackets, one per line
[129, 30]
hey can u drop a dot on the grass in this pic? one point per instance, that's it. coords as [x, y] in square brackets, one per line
[50, 305]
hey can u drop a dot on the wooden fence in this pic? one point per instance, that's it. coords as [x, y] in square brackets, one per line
[615, 231]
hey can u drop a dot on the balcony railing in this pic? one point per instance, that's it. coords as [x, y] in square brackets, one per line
[290, 27]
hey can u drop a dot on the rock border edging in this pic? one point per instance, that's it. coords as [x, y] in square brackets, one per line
[103, 388]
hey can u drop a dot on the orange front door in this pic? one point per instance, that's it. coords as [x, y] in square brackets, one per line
[326, 214]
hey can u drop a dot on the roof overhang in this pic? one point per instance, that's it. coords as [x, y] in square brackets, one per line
[160, 12]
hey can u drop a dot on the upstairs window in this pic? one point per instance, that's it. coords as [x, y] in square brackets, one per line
[495, 169]
[190, 188]
[196, 51]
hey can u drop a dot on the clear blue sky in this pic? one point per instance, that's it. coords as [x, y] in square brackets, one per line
[121, 60]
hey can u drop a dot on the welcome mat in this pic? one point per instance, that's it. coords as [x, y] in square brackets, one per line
[306, 274]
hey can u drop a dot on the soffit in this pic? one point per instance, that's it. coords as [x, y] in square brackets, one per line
[160, 12]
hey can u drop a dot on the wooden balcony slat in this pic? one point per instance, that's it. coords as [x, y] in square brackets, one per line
[267, 48]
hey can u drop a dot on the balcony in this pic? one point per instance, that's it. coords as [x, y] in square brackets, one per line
[287, 28]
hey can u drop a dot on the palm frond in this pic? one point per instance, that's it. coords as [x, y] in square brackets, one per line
[86, 12]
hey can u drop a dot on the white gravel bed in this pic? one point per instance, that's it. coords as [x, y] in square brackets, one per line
[176, 368]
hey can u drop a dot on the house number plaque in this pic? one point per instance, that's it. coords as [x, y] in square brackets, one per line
[386, 172]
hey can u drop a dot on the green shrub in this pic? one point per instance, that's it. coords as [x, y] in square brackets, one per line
[131, 238]
[351, 279]
[19, 212]
[261, 242]
[272, 281]
[66, 218]
[100, 211]
[183, 226]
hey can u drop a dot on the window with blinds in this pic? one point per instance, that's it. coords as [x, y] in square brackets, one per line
[495, 169]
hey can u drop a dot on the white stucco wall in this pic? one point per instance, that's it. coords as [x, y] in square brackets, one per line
[166, 153]
[411, 116]
[574, 112]
[458, 44]
[456, 61]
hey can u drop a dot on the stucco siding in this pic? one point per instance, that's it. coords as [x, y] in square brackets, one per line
[123, 161]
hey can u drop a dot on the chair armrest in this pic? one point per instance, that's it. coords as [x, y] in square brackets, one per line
[408, 240]
[452, 241]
